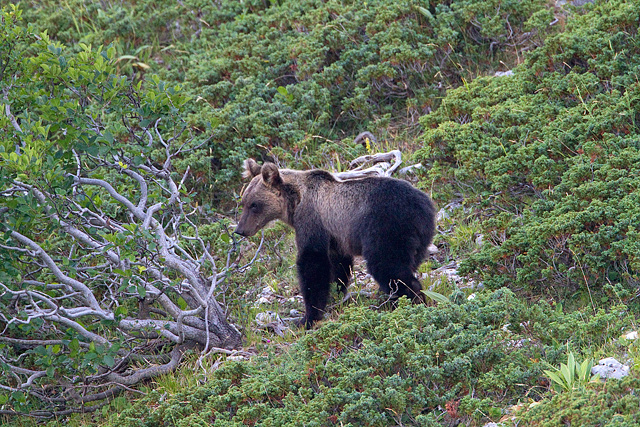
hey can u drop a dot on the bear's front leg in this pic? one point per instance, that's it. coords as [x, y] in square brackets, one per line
[314, 272]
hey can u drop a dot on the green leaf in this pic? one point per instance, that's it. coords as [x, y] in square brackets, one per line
[567, 375]
[437, 297]
[121, 311]
[571, 362]
[109, 360]
[554, 377]
[425, 12]
[108, 136]
[283, 91]
[127, 58]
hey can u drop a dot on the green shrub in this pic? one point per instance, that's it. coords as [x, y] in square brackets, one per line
[86, 189]
[614, 403]
[550, 157]
[282, 78]
[415, 365]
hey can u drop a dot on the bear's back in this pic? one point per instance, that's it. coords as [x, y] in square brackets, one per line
[372, 207]
[395, 206]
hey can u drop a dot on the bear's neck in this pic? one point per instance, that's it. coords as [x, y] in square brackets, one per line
[291, 196]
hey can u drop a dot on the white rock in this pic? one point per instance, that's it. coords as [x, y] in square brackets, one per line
[444, 213]
[576, 3]
[610, 368]
[504, 73]
[449, 272]
[263, 300]
[266, 317]
[519, 343]
[236, 357]
[266, 296]
[632, 335]
[433, 249]
[470, 297]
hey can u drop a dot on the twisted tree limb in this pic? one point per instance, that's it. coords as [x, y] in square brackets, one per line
[382, 164]
[71, 289]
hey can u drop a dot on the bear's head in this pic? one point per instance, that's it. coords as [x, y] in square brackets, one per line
[263, 200]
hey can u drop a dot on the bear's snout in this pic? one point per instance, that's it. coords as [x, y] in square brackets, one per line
[245, 228]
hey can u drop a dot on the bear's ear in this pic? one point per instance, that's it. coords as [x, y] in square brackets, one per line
[271, 175]
[251, 169]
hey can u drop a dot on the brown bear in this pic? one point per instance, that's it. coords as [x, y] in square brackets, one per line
[386, 220]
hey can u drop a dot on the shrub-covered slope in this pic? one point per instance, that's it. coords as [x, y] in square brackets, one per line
[550, 158]
[546, 162]
[617, 404]
[281, 78]
[415, 366]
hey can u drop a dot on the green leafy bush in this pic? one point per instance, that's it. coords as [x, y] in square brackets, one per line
[141, 31]
[99, 236]
[614, 403]
[550, 157]
[416, 365]
[279, 76]
[571, 375]
[283, 78]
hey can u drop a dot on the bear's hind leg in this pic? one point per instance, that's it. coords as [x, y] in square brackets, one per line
[341, 267]
[393, 271]
[392, 260]
[397, 281]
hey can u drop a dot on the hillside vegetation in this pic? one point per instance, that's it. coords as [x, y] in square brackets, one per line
[548, 158]
[536, 171]
[284, 79]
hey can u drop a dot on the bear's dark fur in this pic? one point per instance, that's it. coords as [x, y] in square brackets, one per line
[387, 221]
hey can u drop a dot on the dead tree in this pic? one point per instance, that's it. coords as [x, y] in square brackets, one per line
[379, 164]
[114, 282]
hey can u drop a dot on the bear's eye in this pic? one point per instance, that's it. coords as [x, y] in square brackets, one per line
[254, 207]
